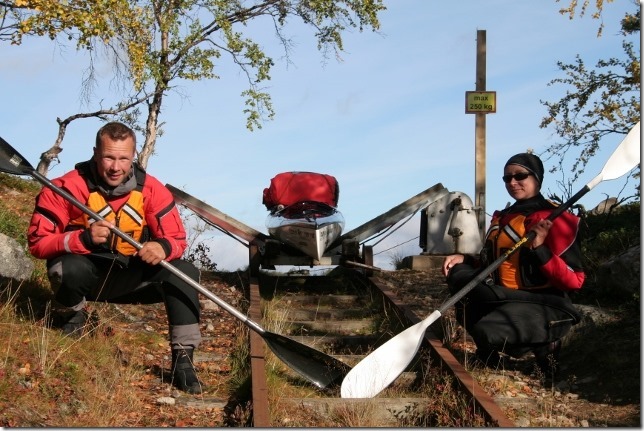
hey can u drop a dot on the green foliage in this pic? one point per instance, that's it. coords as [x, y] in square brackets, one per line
[19, 184]
[15, 213]
[608, 235]
[630, 23]
[13, 226]
[155, 44]
[599, 101]
[12, 219]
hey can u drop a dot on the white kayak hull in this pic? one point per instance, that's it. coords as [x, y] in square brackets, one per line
[308, 227]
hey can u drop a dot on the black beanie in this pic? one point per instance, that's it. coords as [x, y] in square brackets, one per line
[529, 161]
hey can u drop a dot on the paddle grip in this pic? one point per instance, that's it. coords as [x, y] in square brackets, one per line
[494, 265]
[239, 315]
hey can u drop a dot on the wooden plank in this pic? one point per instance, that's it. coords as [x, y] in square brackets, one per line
[261, 416]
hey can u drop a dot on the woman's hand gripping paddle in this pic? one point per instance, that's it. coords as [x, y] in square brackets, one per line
[382, 366]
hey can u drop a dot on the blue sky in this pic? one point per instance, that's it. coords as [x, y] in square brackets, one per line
[387, 120]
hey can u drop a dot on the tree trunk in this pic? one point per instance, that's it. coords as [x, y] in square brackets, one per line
[151, 129]
[51, 154]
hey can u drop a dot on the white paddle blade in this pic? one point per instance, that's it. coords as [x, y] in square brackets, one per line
[625, 157]
[382, 366]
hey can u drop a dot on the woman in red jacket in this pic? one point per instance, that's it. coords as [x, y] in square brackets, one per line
[87, 262]
[522, 306]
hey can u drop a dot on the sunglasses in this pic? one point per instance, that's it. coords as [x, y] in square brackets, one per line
[519, 177]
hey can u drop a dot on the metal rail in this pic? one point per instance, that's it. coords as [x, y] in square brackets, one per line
[272, 252]
[261, 415]
[467, 383]
[483, 402]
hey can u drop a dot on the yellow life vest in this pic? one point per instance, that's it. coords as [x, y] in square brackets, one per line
[130, 219]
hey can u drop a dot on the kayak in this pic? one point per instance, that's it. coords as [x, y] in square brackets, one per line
[308, 226]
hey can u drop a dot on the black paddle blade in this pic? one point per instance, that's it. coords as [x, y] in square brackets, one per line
[11, 161]
[317, 367]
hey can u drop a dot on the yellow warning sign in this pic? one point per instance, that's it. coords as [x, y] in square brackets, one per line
[480, 102]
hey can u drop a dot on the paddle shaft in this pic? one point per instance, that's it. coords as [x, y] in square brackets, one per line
[317, 367]
[505, 256]
[239, 315]
[381, 367]
[625, 157]
[408, 342]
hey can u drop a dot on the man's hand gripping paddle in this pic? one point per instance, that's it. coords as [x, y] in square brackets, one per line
[319, 368]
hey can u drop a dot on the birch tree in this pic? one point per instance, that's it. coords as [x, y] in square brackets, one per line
[598, 101]
[156, 44]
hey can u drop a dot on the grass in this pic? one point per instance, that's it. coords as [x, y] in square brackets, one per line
[444, 404]
[49, 380]
[607, 358]
[106, 379]
[240, 381]
[46, 378]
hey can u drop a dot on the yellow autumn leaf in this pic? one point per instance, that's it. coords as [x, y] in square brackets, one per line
[25, 369]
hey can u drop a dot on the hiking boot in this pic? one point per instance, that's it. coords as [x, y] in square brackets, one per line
[488, 358]
[547, 358]
[75, 324]
[184, 376]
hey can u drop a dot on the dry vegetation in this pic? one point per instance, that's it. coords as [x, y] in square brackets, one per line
[431, 403]
[599, 384]
[119, 374]
[118, 377]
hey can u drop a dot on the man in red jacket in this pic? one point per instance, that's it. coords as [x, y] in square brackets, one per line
[87, 262]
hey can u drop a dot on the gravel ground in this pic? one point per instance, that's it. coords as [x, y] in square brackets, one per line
[584, 395]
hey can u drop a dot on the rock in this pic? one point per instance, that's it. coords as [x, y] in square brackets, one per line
[14, 263]
[621, 275]
[168, 401]
[522, 422]
[591, 318]
[604, 206]
[208, 305]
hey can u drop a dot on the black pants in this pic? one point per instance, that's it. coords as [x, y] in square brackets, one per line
[510, 320]
[96, 278]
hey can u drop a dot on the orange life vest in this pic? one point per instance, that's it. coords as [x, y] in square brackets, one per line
[130, 218]
[517, 272]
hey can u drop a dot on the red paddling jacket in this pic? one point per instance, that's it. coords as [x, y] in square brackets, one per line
[556, 263]
[142, 207]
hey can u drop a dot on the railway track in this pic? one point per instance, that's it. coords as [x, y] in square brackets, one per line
[347, 313]
[329, 318]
